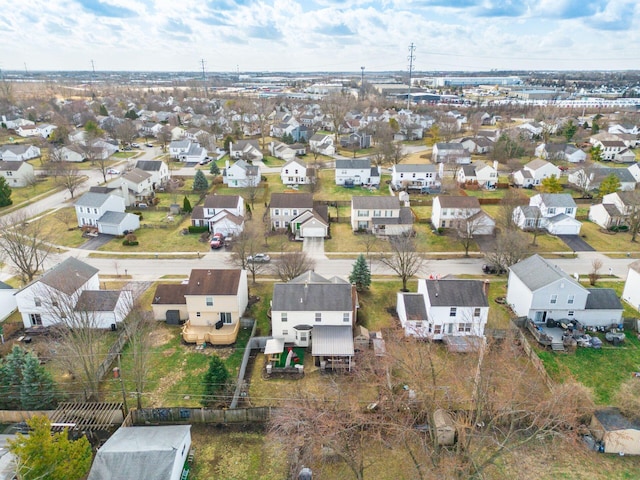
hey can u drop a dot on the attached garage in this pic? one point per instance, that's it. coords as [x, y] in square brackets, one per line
[116, 223]
[563, 225]
[313, 228]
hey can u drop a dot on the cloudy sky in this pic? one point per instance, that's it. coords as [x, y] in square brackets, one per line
[319, 35]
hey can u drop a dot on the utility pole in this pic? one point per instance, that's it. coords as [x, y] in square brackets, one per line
[362, 84]
[117, 373]
[411, 58]
[204, 78]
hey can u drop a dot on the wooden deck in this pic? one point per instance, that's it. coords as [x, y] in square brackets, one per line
[200, 334]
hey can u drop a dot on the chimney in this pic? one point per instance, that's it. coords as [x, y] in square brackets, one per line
[226, 163]
[495, 165]
[485, 288]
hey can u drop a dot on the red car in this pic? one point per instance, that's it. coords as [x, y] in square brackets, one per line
[217, 241]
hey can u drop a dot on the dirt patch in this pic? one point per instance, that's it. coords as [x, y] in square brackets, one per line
[160, 337]
[169, 352]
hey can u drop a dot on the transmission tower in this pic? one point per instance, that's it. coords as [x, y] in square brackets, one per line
[204, 78]
[362, 84]
[411, 58]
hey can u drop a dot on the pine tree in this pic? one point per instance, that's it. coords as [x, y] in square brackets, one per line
[214, 169]
[103, 111]
[5, 193]
[360, 274]
[186, 205]
[215, 381]
[37, 390]
[131, 114]
[200, 182]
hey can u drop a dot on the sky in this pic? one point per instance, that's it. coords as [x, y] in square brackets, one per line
[319, 35]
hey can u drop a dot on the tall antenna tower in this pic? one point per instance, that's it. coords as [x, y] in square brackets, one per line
[204, 78]
[93, 74]
[362, 84]
[411, 58]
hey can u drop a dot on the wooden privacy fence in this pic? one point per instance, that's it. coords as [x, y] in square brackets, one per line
[535, 360]
[17, 416]
[114, 351]
[177, 415]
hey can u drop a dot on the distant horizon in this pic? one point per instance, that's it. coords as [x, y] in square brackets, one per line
[320, 35]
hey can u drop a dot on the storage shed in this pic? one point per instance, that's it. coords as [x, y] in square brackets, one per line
[618, 433]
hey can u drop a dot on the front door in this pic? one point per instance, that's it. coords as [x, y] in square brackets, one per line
[303, 337]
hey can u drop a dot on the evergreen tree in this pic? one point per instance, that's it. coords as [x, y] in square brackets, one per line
[214, 169]
[186, 205]
[37, 391]
[227, 141]
[5, 193]
[42, 454]
[360, 274]
[131, 115]
[200, 182]
[215, 381]
[103, 111]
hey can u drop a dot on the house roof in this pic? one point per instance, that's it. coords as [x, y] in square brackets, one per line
[353, 163]
[561, 200]
[456, 293]
[458, 201]
[10, 166]
[140, 452]
[331, 340]
[603, 299]
[221, 201]
[417, 168]
[98, 301]
[180, 144]
[113, 218]
[536, 164]
[312, 292]
[6, 286]
[291, 200]
[68, 275]
[405, 217]
[600, 173]
[92, 199]
[170, 294]
[149, 165]
[529, 211]
[414, 306]
[468, 170]
[611, 419]
[536, 272]
[386, 202]
[635, 266]
[17, 149]
[450, 146]
[213, 282]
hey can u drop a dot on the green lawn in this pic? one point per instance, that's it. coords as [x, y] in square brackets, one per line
[24, 194]
[608, 242]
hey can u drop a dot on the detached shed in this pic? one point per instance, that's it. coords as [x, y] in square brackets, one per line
[618, 433]
[361, 338]
[445, 428]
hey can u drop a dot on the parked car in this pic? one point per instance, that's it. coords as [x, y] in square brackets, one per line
[493, 269]
[205, 160]
[135, 145]
[259, 258]
[217, 241]
[113, 171]
[149, 144]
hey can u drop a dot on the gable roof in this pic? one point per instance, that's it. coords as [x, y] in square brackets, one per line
[11, 166]
[291, 200]
[221, 201]
[92, 199]
[97, 301]
[458, 201]
[213, 282]
[149, 165]
[562, 200]
[635, 266]
[415, 167]
[353, 163]
[68, 275]
[311, 292]
[600, 173]
[536, 272]
[170, 294]
[603, 299]
[536, 164]
[414, 306]
[386, 202]
[456, 293]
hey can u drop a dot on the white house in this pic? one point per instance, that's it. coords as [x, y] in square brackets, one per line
[450, 153]
[631, 292]
[104, 308]
[610, 149]
[322, 144]
[634, 170]
[248, 150]
[72, 153]
[534, 172]
[178, 147]
[357, 171]
[444, 308]
[414, 176]
[554, 212]
[297, 213]
[154, 452]
[296, 172]
[560, 151]
[448, 211]
[539, 290]
[194, 154]
[282, 151]
[479, 173]
[27, 131]
[66, 281]
[158, 170]
[20, 152]
[313, 310]
[591, 178]
[17, 174]
[7, 300]
[380, 215]
[614, 209]
[221, 213]
[624, 127]
[241, 174]
[134, 186]
[106, 212]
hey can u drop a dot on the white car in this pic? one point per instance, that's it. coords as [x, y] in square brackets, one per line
[259, 258]
[135, 145]
[113, 171]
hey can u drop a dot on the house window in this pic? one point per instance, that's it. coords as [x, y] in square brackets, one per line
[453, 311]
[363, 213]
[35, 319]
[570, 299]
[569, 211]
[318, 316]
[476, 312]
[464, 327]
[437, 329]
[197, 314]
[551, 210]
[402, 175]
[554, 299]
[286, 171]
[346, 317]
[95, 210]
[276, 211]
[418, 325]
[285, 212]
[377, 213]
[283, 317]
[80, 209]
[276, 224]
[209, 301]
[294, 211]
[226, 317]
[414, 175]
[285, 332]
[570, 313]
[37, 301]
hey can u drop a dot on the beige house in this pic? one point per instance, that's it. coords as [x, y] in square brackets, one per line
[213, 300]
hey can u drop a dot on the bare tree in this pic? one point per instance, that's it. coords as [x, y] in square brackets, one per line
[247, 244]
[67, 216]
[369, 242]
[512, 199]
[292, 264]
[510, 247]
[398, 153]
[126, 132]
[69, 177]
[468, 224]
[594, 274]
[252, 188]
[448, 127]
[633, 217]
[24, 244]
[336, 105]
[165, 137]
[405, 260]
[139, 325]
[263, 108]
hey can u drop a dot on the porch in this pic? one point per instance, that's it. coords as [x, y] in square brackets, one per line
[199, 334]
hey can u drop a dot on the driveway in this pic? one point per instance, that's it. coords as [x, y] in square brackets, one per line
[314, 247]
[93, 243]
[576, 243]
[486, 243]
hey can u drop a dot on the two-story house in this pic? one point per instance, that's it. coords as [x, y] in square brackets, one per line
[17, 174]
[322, 144]
[534, 172]
[590, 178]
[450, 153]
[248, 150]
[297, 172]
[614, 150]
[313, 310]
[414, 176]
[481, 174]
[380, 216]
[215, 301]
[296, 212]
[158, 170]
[553, 212]
[20, 152]
[560, 151]
[448, 211]
[134, 186]
[241, 174]
[105, 212]
[444, 308]
[614, 209]
[357, 171]
[282, 151]
[221, 213]
[178, 147]
[539, 290]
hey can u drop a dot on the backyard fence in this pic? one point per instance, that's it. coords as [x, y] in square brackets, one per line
[114, 351]
[531, 354]
[177, 415]
[17, 416]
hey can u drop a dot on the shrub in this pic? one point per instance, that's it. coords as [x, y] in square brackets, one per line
[127, 243]
[139, 214]
[195, 229]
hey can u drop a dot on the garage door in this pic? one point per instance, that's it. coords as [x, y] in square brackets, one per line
[313, 232]
[565, 229]
[108, 229]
